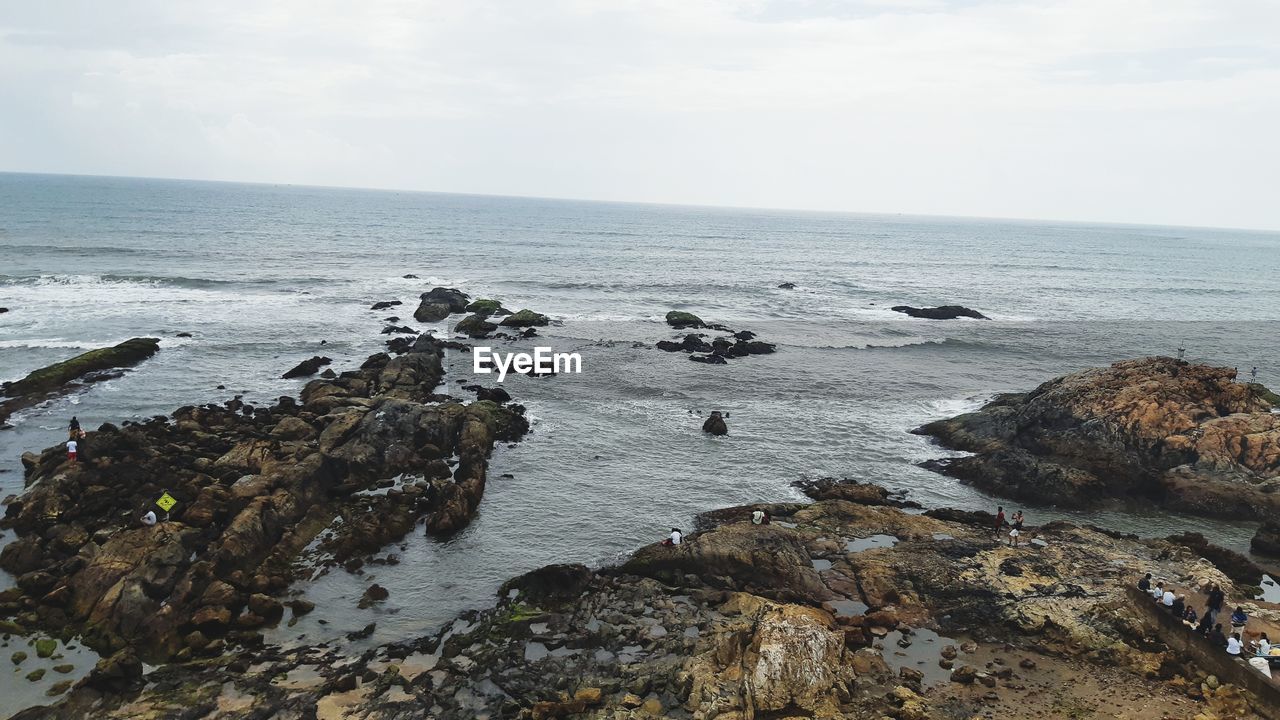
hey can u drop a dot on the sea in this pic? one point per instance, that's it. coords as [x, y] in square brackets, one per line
[264, 276]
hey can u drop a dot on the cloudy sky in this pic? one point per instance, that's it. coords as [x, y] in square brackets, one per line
[1163, 111]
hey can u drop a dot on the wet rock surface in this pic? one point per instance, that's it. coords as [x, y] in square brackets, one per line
[748, 621]
[1158, 429]
[306, 368]
[364, 456]
[714, 350]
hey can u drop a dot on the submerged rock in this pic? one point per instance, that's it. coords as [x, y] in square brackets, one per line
[1186, 436]
[385, 304]
[942, 312]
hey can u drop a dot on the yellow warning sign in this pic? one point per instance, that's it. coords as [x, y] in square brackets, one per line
[166, 502]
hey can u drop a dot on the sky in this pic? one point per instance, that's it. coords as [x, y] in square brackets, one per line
[1148, 111]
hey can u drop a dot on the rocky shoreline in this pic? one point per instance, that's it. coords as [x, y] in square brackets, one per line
[852, 606]
[1187, 437]
[857, 604]
[354, 463]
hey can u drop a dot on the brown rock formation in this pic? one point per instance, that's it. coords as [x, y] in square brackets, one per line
[1185, 435]
[254, 485]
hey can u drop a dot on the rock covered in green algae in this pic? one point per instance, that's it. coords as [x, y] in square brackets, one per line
[525, 318]
[679, 319]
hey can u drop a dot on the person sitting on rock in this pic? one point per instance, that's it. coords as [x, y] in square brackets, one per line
[1179, 607]
[676, 537]
[1157, 592]
[1262, 646]
[1190, 616]
[1206, 622]
[1239, 618]
[1144, 584]
[1234, 646]
[1167, 598]
[150, 518]
[1217, 637]
[760, 517]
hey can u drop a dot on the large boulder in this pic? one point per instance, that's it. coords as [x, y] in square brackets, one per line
[772, 660]
[429, 311]
[679, 319]
[715, 424]
[456, 300]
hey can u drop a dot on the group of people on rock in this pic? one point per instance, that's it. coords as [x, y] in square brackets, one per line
[75, 435]
[1206, 624]
[1014, 524]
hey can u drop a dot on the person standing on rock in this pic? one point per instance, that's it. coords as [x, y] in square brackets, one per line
[73, 429]
[999, 520]
[1216, 598]
[1017, 529]
[72, 446]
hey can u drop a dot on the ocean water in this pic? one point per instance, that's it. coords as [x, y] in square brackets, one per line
[261, 274]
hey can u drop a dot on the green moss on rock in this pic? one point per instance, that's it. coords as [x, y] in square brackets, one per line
[475, 326]
[681, 319]
[45, 647]
[129, 352]
[525, 318]
[1265, 393]
[484, 306]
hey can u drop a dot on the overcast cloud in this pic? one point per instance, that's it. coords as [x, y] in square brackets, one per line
[1161, 111]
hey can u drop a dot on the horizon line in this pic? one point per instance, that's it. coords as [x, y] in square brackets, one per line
[822, 211]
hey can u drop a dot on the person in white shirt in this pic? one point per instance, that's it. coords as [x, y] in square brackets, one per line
[1233, 644]
[757, 517]
[1263, 645]
[1157, 592]
[71, 450]
[676, 536]
[149, 518]
[1167, 598]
